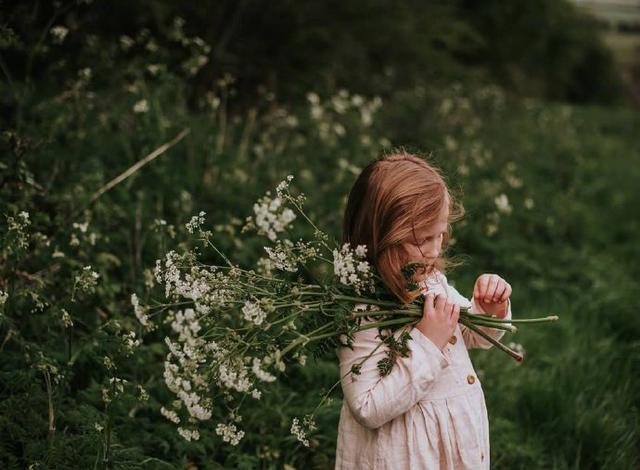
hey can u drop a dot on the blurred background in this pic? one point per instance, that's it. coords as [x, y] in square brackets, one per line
[530, 108]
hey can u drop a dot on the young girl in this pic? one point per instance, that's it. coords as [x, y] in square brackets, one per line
[429, 412]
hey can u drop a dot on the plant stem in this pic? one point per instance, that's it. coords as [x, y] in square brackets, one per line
[496, 343]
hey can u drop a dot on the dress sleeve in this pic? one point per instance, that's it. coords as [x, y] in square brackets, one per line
[374, 400]
[472, 339]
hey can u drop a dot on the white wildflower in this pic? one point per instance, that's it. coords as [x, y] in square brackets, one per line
[261, 374]
[87, 279]
[130, 342]
[66, 319]
[196, 222]
[283, 185]
[189, 434]
[502, 203]
[59, 33]
[229, 433]
[3, 297]
[299, 431]
[170, 415]
[141, 313]
[253, 313]
[255, 393]
[282, 256]
[234, 376]
[81, 227]
[141, 106]
[351, 272]
[270, 216]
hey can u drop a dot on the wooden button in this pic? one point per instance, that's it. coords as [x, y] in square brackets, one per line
[453, 339]
[471, 379]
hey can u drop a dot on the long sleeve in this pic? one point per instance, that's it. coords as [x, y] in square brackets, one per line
[374, 400]
[474, 340]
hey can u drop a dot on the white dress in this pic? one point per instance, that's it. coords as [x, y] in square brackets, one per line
[429, 412]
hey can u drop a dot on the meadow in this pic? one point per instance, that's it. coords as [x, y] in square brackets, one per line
[550, 193]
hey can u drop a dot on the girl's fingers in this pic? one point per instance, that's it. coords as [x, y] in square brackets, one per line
[507, 292]
[481, 286]
[428, 304]
[441, 301]
[491, 287]
[455, 314]
[499, 292]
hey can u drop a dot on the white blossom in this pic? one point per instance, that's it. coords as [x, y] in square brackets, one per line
[170, 415]
[59, 33]
[350, 271]
[66, 319]
[141, 106]
[253, 313]
[261, 374]
[502, 203]
[229, 433]
[299, 431]
[141, 313]
[196, 222]
[282, 256]
[270, 215]
[189, 434]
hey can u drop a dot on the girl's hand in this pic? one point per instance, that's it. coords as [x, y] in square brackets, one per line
[492, 293]
[439, 320]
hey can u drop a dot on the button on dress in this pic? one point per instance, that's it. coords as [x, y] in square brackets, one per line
[429, 412]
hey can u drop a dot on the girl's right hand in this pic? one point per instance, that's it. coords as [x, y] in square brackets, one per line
[439, 320]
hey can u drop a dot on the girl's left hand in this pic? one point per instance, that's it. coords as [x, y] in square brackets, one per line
[491, 293]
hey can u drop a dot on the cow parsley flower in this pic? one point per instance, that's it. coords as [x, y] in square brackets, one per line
[282, 256]
[196, 222]
[261, 374]
[170, 415]
[351, 267]
[141, 313]
[502, 204]
[270, 215]
[253, 313]
[299, 430]
[189, 434]
[229, 433]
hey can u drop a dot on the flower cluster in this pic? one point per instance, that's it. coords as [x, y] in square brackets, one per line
[209, 289]
[300, 431]
[351, 267]
[270, 215]
[253, 312]
[87, 280]
[229, 433]
[141, 313]
[282, 256]
[196, 222]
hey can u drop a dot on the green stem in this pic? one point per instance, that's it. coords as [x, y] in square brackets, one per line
[496, 343]
[517, 320]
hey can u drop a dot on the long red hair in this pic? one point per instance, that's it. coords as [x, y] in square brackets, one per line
[393, 198]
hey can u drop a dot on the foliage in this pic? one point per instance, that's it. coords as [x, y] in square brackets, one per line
[549, 192]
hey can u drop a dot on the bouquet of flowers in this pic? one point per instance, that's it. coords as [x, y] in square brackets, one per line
[234, 329]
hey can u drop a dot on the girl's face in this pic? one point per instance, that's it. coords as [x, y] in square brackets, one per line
[428, 245]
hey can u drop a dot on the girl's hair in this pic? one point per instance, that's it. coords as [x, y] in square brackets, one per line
[396, 196]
